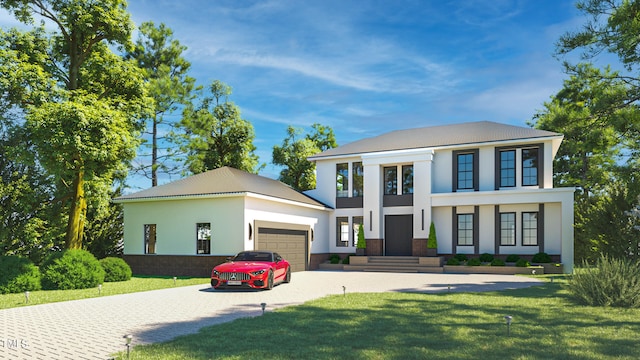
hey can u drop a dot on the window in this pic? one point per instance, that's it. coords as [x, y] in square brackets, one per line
[529, 228]
[407, 179]
[342, 180]
[465, 229]
[530, 167]
[507, 168]
[342, 226]
[150, 238]
[203, 236]
[508, 229]
[391, 180]
[465, 171]
[357, 220]
[358, 179]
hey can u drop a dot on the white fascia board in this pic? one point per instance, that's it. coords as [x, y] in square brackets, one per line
[516, 196]
[223, 195]
[179, 197]
[555, 139]
[288, 202]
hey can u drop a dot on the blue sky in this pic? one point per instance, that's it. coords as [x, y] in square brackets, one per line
[368, 67]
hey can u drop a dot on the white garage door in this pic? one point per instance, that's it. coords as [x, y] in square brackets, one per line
[291, 244]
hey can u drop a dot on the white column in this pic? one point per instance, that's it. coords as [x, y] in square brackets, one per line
[372, 201]
[422, 196]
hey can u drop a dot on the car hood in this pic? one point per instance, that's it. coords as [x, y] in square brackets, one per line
[242, 266]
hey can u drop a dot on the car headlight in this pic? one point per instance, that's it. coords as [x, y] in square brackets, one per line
[216, 272]
[259, 272]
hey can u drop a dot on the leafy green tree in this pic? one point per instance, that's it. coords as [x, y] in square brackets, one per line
[299, 173]
[215, 135]
[81, 112]
[160, 56]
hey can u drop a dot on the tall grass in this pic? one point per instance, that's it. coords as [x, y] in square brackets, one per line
[613, 282]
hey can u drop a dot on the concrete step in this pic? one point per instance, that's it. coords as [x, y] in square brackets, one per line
[394, 268]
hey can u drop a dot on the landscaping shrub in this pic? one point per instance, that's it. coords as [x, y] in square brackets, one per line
[71, 269]
[345, 261]
[613, 282]
[497, 262]
[115, 269]
[512, 258]
[522, 263]
[18, 274]
[453, 261]
[334, 259]
[461, 257]
[474, 262]
[486, 257]
[541, 257]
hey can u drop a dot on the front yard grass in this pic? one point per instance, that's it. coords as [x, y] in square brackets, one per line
[135, 284]
[547, 324]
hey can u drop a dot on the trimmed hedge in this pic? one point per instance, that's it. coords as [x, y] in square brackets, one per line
[71, 269]
[512, 258]
[522, 263]
[116, 269]
[18, 274]
[497, 262]
[474, 262]
[486, 257]
[540, 258]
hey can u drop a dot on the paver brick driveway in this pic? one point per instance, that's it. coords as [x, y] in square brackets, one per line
[94, 328]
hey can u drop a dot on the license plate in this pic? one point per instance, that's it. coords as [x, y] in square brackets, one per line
[234, 282]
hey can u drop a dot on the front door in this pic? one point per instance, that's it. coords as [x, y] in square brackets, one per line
[398, 235]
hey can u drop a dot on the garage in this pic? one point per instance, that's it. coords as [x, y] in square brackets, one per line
[289, 243]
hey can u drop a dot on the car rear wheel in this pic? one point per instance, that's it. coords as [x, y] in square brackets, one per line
[287, 278]
[270, 280]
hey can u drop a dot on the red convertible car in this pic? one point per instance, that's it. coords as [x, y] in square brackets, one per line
[252, 269]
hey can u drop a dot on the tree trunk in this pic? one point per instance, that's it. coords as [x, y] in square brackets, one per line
[77, 213]
[154, 153]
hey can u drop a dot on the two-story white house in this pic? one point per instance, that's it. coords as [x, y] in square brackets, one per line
[487, 187]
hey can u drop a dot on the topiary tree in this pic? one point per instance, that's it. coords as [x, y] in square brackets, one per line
[18, 274]
[116, 269]
[432, 241]
[361, 244]
[71, 269]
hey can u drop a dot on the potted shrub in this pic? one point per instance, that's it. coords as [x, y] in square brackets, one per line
[361, 245]
[432, 241]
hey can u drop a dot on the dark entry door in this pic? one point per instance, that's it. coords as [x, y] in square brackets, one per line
[398, 235]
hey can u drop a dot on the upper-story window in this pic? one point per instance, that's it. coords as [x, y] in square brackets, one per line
[390, 180]
[358, 179]
[530, 167]
[342, 180]
[465, 171]
[507, 168]
[407, 179]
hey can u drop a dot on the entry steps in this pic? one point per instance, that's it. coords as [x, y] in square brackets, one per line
[407, 264]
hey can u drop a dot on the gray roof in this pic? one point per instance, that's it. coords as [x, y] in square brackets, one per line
[435, 136]
[221, 181]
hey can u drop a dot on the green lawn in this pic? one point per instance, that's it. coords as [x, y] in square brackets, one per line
[546, 325]
[136, 284]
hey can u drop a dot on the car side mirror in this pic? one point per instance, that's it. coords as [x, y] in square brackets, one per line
[228, 258]
[278, 259]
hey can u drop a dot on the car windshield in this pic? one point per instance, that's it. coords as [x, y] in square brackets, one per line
[254, 256]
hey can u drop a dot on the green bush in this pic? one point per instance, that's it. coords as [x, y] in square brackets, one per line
[486, 257]
[18, 274]
[541, 257]
[474, 262]
[522, 263]
[345, 261]
[361, 243]
[613, 282]
[432, 240]
[115, 269]
[497, 262]
[71, 269]
[453, 261]
[461, 257]
[334, 259]
[512, 258]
